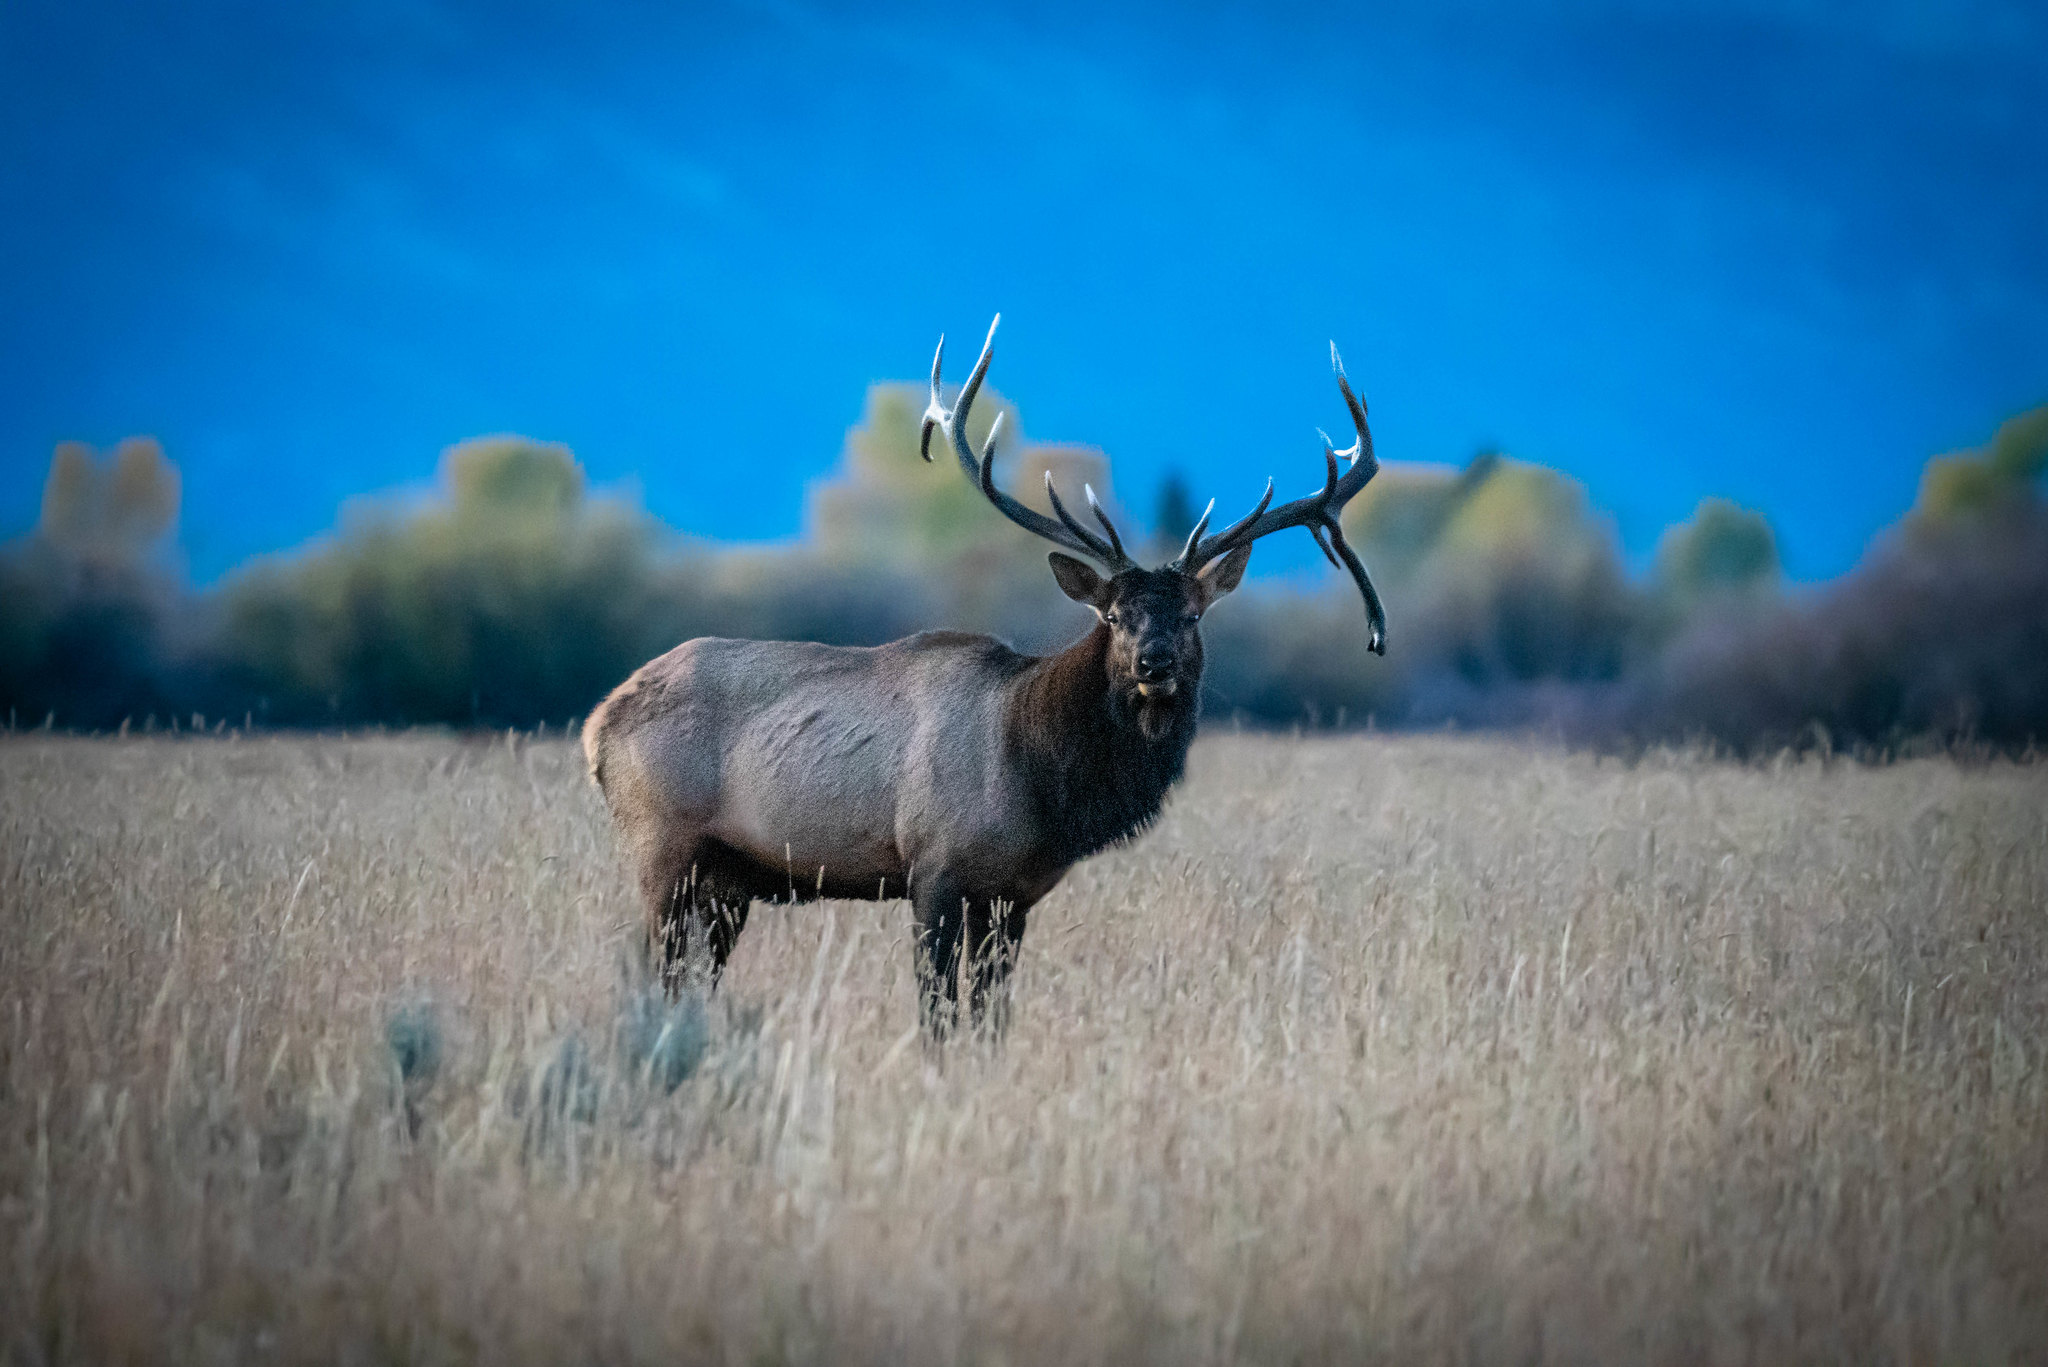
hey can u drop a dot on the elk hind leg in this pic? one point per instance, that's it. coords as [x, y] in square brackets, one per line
[667, 890]
[697, 898]
[718, 914]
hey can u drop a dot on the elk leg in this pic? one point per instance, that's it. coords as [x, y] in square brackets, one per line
[720, 916]
[995, 929]
[697, 904]
[723, 890]
[939, 906]
[666, 886]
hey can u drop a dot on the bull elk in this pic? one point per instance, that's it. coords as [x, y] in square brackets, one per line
[944, 767]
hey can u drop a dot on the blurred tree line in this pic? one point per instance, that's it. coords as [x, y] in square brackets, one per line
[514, 595]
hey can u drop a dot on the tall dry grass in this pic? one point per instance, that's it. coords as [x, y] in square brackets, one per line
[1377, 1049]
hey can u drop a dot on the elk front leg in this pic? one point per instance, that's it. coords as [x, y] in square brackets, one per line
[939, 903]
[995, 930]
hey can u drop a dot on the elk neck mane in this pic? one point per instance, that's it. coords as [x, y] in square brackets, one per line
[1095, 777]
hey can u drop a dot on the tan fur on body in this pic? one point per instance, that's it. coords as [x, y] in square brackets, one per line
[815, 760]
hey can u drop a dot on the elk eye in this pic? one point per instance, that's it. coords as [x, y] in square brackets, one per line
[1110, 617]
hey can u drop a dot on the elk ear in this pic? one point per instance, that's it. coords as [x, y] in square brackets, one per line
[1221, 576]
[1077, 580]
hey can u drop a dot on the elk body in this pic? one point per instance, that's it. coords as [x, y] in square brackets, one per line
[944, 767]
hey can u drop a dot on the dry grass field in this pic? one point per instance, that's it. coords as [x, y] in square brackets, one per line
[1377, 1049]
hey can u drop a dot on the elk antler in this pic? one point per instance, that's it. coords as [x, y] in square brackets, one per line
[953, 422]
[1319, 512]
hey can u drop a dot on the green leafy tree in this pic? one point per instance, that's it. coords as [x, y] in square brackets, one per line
[1397, 520]
[1518, 580]
[1995, 480]
[120, 510]
[87, 598]
[510, 597]
[512, 477]
[1724, 549]
[887, 506]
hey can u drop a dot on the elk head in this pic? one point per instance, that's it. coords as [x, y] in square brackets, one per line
[1155, 650]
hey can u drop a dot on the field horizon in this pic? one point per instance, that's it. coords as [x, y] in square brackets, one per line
[1379, 1047]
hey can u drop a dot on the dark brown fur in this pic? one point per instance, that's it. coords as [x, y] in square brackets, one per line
[1097, 777]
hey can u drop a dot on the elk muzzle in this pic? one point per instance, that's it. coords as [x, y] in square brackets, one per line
[1158, 670]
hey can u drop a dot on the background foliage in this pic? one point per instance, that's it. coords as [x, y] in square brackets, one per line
[512, 594]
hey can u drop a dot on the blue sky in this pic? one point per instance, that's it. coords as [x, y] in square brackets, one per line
[1780, 250]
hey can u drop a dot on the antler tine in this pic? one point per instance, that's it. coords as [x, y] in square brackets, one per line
[1375, 611]
[1116, 542]
[1225, 539]
[981, 470]
[1320, 512]
[1097, 547]
[986, 477]
[1361, 450]
[1195, 534]
[954, 420]
[934, 411]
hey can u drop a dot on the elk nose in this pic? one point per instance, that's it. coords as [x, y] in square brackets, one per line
[1155, 662]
